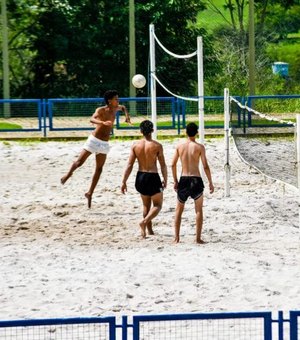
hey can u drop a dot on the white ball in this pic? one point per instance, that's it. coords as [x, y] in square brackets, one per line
[138, 81]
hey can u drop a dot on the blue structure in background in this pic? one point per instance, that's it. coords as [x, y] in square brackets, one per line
[281, 68]
[194, 326]
[72, 114]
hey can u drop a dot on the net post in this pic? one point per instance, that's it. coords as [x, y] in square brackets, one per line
[200, 88]
[152, 80]
[298, 160]
[226, 141]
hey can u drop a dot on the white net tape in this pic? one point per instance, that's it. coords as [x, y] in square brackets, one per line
[184, 56]
[262, 115]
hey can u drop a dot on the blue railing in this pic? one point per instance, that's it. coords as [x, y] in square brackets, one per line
[43, 115]
[66, 328]
[200, 326]
[280, 104]
[16, 109]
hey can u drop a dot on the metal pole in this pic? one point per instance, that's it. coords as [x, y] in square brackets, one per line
[251, 49]
[298, 158]
[226, 137]
[6, 87]
[200, 88]
[152, 80]
[132, 55]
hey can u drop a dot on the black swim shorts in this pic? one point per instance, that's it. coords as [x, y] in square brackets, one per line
[148, 183]
[189, 186]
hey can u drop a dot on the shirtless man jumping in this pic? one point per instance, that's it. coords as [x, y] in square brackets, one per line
[190, 184]
[147, 183]
[97, 142]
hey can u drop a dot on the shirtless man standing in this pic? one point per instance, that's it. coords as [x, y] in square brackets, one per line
[97, 142]
[147, 183]
[190, 183]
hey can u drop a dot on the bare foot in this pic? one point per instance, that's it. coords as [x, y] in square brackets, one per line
[150, 230]
[89, 198]
[176, 240]
[143, 229]
[64, 179]
[200, 241]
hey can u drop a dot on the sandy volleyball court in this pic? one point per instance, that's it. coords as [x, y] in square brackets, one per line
[60, 259]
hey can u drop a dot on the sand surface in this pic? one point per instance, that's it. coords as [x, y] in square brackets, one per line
[60, 259]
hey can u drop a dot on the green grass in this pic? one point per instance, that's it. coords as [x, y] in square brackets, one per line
[210, 19]
[9, 126]
[266, 122]
[285, 51]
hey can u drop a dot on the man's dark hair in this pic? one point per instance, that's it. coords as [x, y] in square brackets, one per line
[109, 95]
[146, 127]
[191, 129]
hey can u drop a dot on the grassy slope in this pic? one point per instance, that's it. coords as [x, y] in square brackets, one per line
[287, 51]
[210, 19]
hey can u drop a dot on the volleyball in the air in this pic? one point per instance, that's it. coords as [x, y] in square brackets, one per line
[138, 81]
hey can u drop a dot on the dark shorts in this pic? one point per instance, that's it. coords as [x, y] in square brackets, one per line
[189, 186]
[148, 183]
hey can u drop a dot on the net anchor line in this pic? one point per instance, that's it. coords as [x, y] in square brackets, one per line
[184, 56]
[173, 94]
[262, 115]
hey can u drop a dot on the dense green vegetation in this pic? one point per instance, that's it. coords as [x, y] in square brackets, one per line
[79, 48]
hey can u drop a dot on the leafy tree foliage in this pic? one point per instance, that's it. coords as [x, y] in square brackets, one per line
[80, 48]
[22, 14]
[275, 19]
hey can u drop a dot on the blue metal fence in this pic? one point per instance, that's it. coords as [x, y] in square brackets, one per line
[12, 111]
[208, 326]
[97, 328]
[72, 114]
[294, 325]
[196, 326]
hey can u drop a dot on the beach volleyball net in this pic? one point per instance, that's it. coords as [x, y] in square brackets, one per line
[265, 141]
[176, 76]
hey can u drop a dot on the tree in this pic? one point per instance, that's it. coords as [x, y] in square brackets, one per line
[22, 15]
[79, 48]
[275, 19]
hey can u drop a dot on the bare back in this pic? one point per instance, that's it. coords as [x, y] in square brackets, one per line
[190, 153]
[147, 153]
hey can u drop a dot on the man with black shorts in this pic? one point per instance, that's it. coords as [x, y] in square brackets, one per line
[190, 183]
[147, 183]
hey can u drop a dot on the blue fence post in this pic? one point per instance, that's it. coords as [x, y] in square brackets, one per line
[173, 110]
[178, 116]
[294, 324]
[183, 112]
[124, 327]
[44, 110]
[280, 325]
[49, 113]
[249, 103]
[244, 115]
[118, 119]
